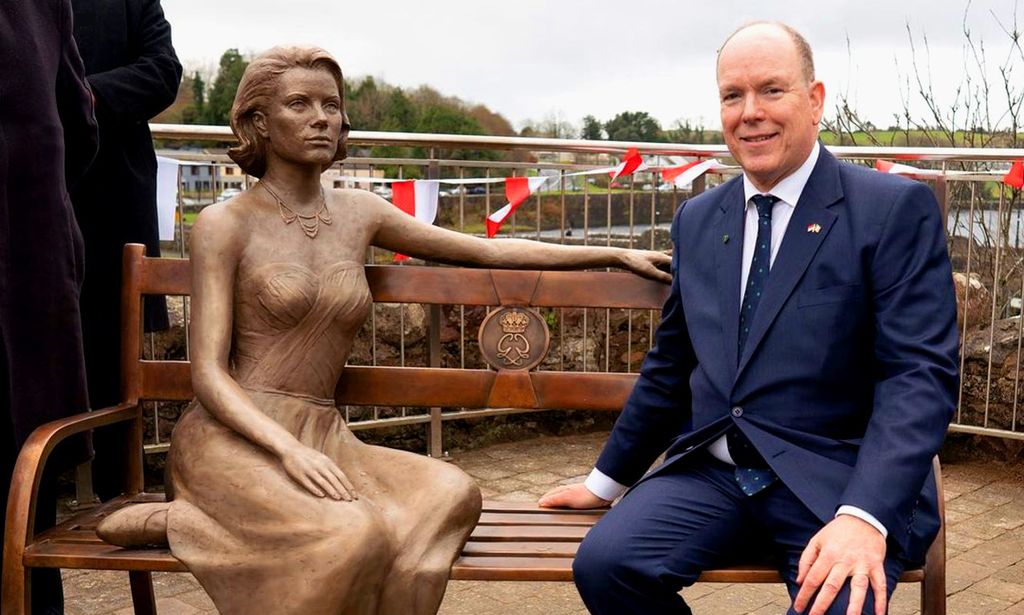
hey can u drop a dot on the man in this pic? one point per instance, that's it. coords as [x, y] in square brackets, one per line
[47, 139]
[810, 339]
[134, 73]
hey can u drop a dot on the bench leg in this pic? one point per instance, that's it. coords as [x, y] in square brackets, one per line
[933, 596]
[17, 592]
[142, 592]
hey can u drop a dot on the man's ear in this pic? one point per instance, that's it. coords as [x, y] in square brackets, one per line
[259, 121]
[817, 95]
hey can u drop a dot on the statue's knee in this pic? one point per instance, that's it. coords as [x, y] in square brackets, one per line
[461, 493]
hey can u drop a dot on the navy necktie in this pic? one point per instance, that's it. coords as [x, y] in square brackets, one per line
[751, 472]
[759, 265]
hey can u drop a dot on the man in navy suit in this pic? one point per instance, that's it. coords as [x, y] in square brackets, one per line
[804, 372]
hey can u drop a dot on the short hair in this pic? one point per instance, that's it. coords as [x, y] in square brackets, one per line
[803, 48]
[259, 85]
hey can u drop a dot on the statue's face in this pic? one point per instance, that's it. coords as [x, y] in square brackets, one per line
[304, 119]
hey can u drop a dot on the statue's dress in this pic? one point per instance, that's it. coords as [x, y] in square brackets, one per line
[256, 540]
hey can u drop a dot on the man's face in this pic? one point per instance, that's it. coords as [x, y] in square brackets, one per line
[770, 113]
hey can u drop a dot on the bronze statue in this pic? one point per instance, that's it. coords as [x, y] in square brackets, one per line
[276, 506]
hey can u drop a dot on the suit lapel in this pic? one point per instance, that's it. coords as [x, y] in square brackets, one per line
[808, 228]
[728, 247]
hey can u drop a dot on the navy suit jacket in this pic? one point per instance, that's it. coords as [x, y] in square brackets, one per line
[849, 376]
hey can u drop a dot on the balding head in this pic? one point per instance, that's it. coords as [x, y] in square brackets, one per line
[800, 44]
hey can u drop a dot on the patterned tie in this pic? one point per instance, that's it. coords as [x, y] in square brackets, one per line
[753, 480]
[759, 265]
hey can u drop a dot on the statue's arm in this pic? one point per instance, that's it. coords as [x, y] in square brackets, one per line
[397, 231]
[216, 248]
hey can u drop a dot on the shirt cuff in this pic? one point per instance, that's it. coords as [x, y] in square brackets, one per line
[863, 515]
[603, 486]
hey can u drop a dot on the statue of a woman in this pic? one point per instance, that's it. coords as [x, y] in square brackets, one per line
[277, 507]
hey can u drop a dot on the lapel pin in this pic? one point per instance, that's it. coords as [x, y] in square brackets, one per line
[814, 228]
[725, 239]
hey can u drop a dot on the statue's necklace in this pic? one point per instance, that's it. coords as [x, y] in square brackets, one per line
[310, 224]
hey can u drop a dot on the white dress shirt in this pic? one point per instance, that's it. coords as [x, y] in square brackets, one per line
[788, 191]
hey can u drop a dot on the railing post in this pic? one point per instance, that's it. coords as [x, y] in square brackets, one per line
[435, 442]
[942, 196]
[699, 185]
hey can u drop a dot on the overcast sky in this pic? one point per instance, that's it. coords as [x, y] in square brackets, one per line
[530, 59]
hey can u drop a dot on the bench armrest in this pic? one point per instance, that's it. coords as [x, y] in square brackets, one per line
[28, 472]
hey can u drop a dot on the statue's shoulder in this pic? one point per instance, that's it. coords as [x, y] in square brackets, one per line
[223, 222]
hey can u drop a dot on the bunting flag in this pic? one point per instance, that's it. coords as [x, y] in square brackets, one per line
[683, 176]
[631, 163]
[517, 190]
[1015, 176]
[418, 198]
[901, 169]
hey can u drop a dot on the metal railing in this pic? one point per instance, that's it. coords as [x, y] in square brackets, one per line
[989, 266]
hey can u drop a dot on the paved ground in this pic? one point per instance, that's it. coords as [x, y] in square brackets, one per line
[985, 513]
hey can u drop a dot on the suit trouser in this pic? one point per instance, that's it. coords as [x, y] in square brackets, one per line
[672, 526]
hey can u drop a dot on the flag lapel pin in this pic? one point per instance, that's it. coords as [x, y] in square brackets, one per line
[814, 228]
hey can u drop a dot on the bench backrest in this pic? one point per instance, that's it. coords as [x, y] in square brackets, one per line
[511, 383]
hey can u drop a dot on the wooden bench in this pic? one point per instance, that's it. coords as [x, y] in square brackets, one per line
[512, 542]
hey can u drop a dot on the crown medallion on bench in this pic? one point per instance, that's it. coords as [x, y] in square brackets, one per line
[514, 338]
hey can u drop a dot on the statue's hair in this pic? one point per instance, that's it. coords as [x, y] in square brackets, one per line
[803, 48]
[258, 87]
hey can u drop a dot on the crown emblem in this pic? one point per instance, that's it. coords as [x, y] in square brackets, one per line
[514, 322]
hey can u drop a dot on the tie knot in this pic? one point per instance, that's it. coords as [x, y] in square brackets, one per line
[764, 203]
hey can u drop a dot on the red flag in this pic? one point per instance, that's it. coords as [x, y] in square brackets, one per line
[1015, 177]
[669, 175]
[418, 198]
[630, 163]
[517, 190]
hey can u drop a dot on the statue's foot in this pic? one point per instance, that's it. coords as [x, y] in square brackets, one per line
[138, 525]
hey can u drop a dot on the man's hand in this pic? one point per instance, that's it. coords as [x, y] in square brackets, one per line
[572, 496]
[845, 548]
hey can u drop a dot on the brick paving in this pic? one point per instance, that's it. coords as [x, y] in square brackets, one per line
[985, 571]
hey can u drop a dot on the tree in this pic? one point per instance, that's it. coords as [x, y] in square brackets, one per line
[194, 113]
[553, 126]
[592, 129]
[218, 105]
[633, 126]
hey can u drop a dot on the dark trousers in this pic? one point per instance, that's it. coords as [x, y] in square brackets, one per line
[671, 527]
[47, 592]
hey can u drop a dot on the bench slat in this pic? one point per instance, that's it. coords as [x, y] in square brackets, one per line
[471, 388]
[544, 518]
[557, 533]
[513, 569]
[100, 556]
[520, 549]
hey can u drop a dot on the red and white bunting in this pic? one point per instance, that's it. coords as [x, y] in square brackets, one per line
[1015, 176]
[901, 169]
[631, 163]
[418, 198]
[517, 190]
[683, 175]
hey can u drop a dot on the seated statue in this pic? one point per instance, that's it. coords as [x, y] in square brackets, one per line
[276, 507]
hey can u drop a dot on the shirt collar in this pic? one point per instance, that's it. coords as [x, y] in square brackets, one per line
[792, 186]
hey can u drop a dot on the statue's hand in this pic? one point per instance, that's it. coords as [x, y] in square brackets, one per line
[649, 264]
[317, 473]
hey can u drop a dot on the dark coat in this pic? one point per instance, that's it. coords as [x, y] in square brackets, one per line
[849, 375]
[134, 72]
[47, 139]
